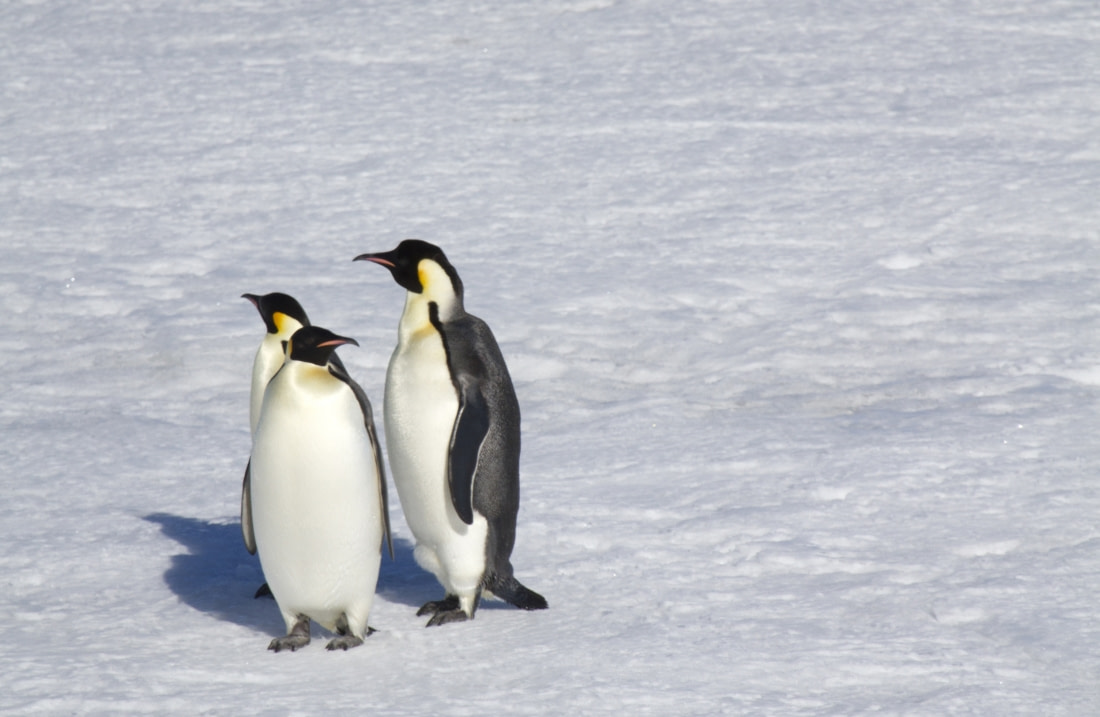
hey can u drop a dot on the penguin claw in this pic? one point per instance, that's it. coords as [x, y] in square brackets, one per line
[447, 610]
[297, 637]
[443, 611]
[433, 607]
[288, 642]
[444, 617]
[344, 642]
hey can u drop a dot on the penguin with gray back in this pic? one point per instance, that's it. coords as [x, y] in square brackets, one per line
[453, 437]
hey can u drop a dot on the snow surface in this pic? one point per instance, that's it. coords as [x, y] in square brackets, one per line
[800, 299]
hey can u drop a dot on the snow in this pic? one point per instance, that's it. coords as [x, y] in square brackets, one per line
[799, 299]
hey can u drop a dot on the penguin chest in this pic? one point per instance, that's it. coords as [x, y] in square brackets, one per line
[420, 408]
[315, 499]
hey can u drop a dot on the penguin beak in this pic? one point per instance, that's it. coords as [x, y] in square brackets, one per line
[382, 258]
[338, 341]
[403, 271]
[269, 321]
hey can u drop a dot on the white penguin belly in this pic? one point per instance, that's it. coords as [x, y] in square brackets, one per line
[315, 504]
[420, 408]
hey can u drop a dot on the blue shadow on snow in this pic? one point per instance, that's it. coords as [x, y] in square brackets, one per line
[218, 576]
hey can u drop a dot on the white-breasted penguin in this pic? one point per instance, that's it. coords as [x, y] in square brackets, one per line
[452, 437]
[282, 316]
[319, 508]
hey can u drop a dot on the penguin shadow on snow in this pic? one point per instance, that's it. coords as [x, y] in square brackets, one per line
[402, 581]
[216, 575]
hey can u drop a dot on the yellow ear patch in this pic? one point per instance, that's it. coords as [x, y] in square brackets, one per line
[422, 274]
[279, 319]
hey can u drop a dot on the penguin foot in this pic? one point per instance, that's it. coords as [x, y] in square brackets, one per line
[263, 591]
[289, 642]
[344, 642]
[446, 616]
[435, 606]
[297, 637]
[443, 611]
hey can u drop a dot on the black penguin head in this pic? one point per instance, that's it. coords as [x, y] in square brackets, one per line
[313, 344]
[274, 306]
[404, 263]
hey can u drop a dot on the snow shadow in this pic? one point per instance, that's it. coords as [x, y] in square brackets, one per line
[402, 581]
[216, 575]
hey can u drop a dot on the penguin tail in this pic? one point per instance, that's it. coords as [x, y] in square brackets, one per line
[514, 593]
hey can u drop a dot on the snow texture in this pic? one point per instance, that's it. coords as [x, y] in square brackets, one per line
[800, 300]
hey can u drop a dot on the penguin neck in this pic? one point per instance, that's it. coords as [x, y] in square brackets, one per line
[274, 346]
[302, 376]
[287, 325]
[270, 356]
[422, 313]
[438, 301]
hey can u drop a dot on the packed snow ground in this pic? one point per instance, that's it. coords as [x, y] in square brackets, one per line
[800, 300]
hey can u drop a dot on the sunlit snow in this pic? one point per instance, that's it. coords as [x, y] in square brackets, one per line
[800, 299]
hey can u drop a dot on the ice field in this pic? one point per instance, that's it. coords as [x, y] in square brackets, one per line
[800, 300]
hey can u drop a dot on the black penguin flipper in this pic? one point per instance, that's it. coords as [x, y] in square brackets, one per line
[336, 368]
[334, 359]
[383, 493]
[471, 427]
[246, 510]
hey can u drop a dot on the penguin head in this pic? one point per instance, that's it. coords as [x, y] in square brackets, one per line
[420, 268]
[282, 314]
[313, 344]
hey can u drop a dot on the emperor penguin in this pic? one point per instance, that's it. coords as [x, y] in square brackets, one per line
[319, 507]
[282, 316]
[453, 438]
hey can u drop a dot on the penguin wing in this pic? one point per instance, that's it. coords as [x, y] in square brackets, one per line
[246, 510]
[334, 359]
[336, 368]
[471, 427]
[383, 495]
